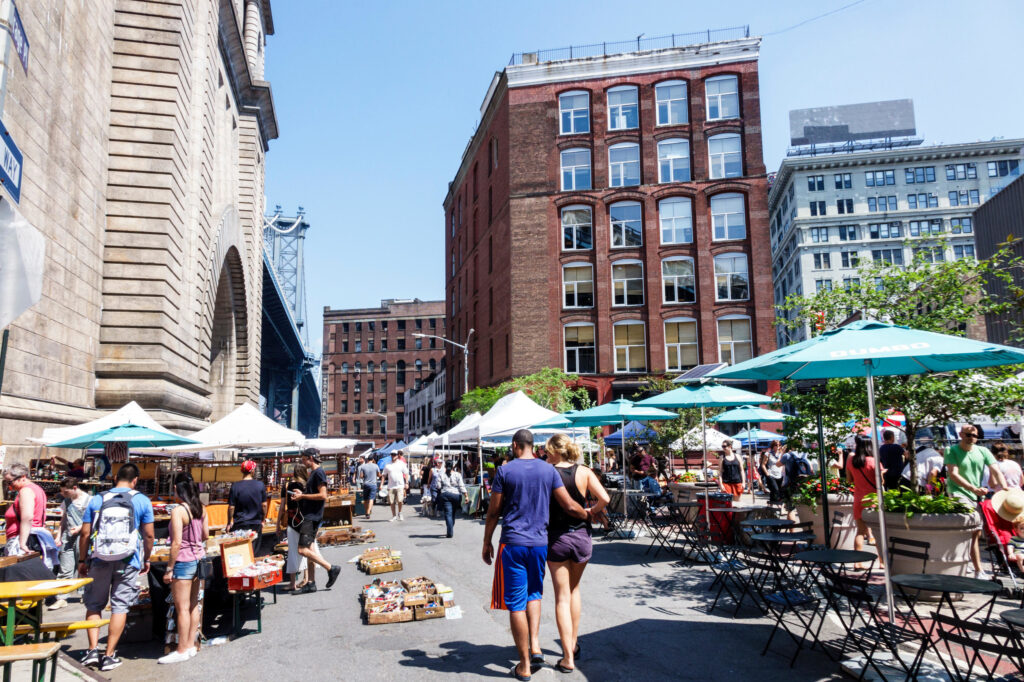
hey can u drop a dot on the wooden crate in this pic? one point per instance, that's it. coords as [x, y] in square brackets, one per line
[384, 567]
[429, 612]
[416, 599]
[371, 604]
[402, 615]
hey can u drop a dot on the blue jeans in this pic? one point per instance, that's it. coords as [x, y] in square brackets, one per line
[450, 502]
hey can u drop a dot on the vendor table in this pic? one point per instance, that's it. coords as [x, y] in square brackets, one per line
[31, 593]
[944, 585]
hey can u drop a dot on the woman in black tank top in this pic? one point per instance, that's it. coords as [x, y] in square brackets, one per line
[569, 545]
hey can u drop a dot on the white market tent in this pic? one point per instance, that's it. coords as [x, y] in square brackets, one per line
[420, 446]
[244, 427]
[693, 440]
[445, 438]
[129, 414]
[512, 412]
[326, 446]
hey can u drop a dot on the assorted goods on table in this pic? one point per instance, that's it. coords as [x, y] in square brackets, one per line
[380, 560]
[162, 547]
[400, 601]
[243, 572]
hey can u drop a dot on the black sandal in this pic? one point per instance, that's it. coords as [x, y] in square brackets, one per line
[521, 678]
[536, 660]
[563, 669]
[576, 652]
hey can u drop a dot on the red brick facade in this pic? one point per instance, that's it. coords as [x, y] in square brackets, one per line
[376, 347]
[508, 258]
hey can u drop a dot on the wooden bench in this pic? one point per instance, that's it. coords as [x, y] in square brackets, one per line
[39, 654]
[61, 630]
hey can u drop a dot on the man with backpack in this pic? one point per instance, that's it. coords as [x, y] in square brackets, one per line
[797, 468]
[116, 541]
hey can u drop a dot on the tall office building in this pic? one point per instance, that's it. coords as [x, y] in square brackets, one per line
[609, 215]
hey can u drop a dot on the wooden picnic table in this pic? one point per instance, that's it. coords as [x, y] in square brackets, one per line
[31, 594]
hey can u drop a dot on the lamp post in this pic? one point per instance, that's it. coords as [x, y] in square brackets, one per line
[465, 354]
[385, 418]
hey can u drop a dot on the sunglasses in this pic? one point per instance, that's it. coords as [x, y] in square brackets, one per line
[970, 435]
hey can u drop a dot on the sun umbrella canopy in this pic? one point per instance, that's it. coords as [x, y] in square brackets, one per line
[694, 439]
[132, 435]
[559, 421]
[892, 350]
[749, 414]
[129, 413]
[618, 411]
[704, 395]
[633, 431]
[757, 436]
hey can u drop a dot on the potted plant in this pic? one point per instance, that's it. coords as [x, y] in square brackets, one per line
[683, 486]
[947, 523]
[807, 500]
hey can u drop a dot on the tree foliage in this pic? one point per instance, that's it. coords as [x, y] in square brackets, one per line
[550, 387]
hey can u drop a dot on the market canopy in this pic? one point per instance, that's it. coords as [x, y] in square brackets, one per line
[467, 421]
[757, 437]
[129, 414]
[244, 427]
[512, 412]
[633, 431]
[693, 440]
[130, 435]
[420, 446]
[749, 414]
[709, 394]
[618, 412]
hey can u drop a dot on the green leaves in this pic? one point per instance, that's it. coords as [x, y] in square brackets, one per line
[550, 387]
[910, 502]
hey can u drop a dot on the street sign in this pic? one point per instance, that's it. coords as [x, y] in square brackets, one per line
[10, 164]
[22, 259]
[18, 37]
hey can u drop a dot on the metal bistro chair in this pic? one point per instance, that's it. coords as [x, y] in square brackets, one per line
[661, 523]
[912, 549]
[984, 645]
[732, 574]
[795, 609]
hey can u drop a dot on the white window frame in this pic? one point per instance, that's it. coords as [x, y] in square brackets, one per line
[674, 220]
[617, 225]
[562, 110]
[642, 347]
[561, 216]
[562, 167]
[625, 288]
[731, 254]
[725, 234]
[676, 347]
[565, 349]
[718, 337]
[658, 100]
[693, 277]
[622, 165]
[719, 173]
[575, 283]
[719, 95]
[636, 104]
[673, 162]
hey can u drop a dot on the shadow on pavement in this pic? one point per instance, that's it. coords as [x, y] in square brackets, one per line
[463, 657]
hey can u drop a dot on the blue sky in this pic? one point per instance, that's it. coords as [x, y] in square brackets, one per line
[376, 101]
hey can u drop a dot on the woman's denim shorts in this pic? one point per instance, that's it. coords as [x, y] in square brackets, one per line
[185, 570]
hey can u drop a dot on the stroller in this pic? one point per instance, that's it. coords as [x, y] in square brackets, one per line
[1003, 569]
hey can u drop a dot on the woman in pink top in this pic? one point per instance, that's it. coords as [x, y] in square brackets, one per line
[189, 530]
[860, 471]
[27, 512]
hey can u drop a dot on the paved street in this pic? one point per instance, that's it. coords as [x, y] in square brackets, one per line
[640, 619]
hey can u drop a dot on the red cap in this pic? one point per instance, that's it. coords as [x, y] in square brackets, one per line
[248, 466]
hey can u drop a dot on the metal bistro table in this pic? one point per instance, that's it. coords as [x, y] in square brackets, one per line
[767, 523]
[772, 542]
[835, 561]
[910, 587]
[734, 518]
[1014, 618]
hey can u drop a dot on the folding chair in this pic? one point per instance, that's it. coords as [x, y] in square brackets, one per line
[912, 549]
[978, 643]
[794, 609]
[661, 523]
[837, 522]
[733, 576]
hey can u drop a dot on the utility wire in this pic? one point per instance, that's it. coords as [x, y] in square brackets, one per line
[807, 21]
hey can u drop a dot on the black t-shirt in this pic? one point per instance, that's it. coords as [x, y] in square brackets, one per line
[891, 455]
[247, 497]
[313, 510]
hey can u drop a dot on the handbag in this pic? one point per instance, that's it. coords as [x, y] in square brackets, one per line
[204, 571]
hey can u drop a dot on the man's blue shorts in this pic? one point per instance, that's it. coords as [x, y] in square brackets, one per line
[518, 576]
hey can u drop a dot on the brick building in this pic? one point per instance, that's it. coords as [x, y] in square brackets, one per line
[610, 217]
[371, 356]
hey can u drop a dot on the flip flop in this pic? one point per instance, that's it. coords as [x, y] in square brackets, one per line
[563, 669]
[576, 652]
[521, 678]
[536, 660]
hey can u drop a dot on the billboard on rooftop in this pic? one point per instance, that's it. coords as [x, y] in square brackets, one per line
[848, 122]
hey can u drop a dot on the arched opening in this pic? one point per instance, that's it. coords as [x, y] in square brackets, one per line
[228, 339]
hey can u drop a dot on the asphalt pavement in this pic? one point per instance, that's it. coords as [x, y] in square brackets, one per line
[642, 618]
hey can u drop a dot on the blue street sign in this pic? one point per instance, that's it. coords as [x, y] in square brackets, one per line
[18, 37]
[10, 164]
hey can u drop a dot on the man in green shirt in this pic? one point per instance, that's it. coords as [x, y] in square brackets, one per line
[965, 463]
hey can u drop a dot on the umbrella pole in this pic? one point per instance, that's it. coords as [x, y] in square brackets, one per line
[823, 474]
[750, 465]
[882, 542]
[704, 468]
[622, 432]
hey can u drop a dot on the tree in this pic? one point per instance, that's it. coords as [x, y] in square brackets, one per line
[550, 387]
[942, 297]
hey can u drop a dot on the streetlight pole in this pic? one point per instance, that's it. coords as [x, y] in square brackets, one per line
[465, 354]
[385, 418]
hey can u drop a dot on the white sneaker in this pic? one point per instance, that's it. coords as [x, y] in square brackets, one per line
[982, 575]
[173, 657]
[191, 651]
[400, 516]
[59, 604]
[392, 519]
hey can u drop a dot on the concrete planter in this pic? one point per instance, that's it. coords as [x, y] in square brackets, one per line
[844, 532]
[687, 492]
[949, 535]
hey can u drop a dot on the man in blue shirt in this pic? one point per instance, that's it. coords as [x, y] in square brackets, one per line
[116, 581]
[521, 493]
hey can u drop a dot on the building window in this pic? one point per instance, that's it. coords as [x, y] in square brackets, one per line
[678, 280]
[432, 364]
[844, 205]
[626, 224]
[574, 108]
[1000, 169]
[401, 342]
[344, 387]
[725, 155]
[383, 344]
[494, 153]
[344, 406]
[344, 346]
[575, 169]
[961, 171]
[676, 217]
[877, 204]
[823, 285]
[357, 427]
[630, 347]
[674, 161]
[728, 217]
[890, 256]
[922, 200]
[815, 183]
[624, 165]
[344, 368]
[847, 233]
[578, 285]
[400, 373]
[419, 344]
[723, 99]
[731, 280]
[850, 259]
[670, 97]
[885, 230]
[919, 174]
[851, 282]
[681, 350]
[922, 228]
[344, 428]
[577, 228]
[843, 181]
[623, 113]
[734, 342]
[929, 254]
[817, 208]
[627, 283]
[580, 355]
[401, 325]
[822, 261]
[960, 226]
[879, 178]
[964, 197]
[819, 234]
[961, 251]
[419, 365]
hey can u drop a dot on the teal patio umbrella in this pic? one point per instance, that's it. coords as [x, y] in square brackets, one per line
[619, 412]
[559, 421]
[751, 414]
[870, 348]
[129, 435]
